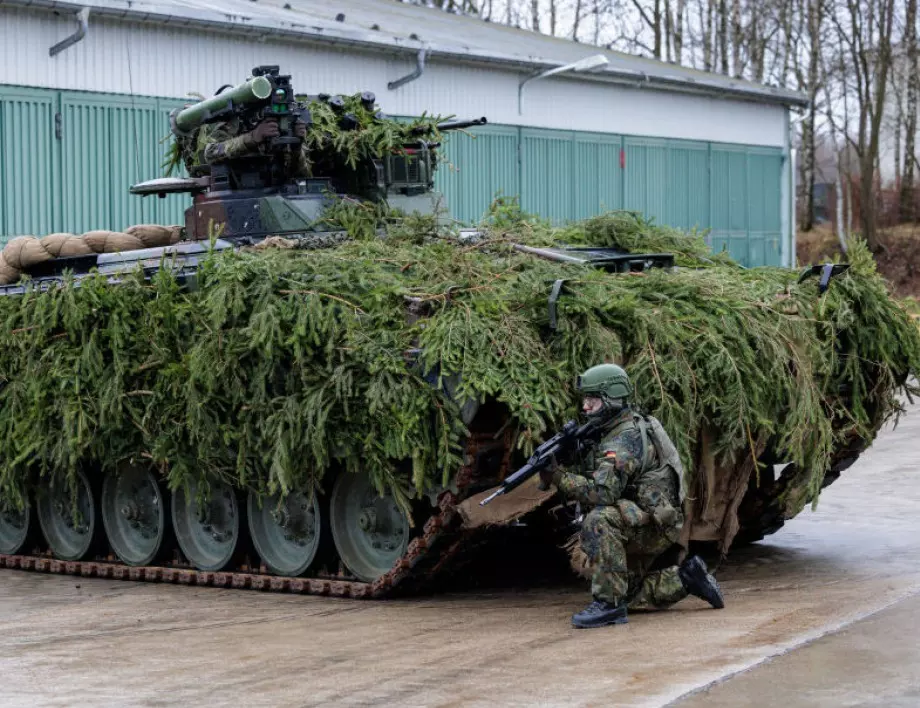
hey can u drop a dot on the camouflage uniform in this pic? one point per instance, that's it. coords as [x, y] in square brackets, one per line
[228, 141]
[636, 516]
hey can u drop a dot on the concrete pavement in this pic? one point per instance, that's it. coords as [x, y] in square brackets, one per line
[872, 663]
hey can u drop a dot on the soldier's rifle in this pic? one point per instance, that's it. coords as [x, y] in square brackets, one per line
[563, 448]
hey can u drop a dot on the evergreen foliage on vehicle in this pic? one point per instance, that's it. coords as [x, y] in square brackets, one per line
[373, 135]
[283, 364]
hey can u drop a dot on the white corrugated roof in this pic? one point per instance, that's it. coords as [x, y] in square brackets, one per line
[390, 25]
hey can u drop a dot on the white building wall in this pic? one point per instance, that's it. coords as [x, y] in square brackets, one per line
[155, 60]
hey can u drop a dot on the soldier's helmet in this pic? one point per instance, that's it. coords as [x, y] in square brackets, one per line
[608, 382]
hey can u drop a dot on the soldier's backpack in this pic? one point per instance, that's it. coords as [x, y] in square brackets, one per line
[667, 452]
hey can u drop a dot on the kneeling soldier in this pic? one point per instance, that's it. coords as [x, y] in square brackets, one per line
[633, 488]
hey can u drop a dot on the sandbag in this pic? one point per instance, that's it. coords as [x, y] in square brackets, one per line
[8, 274]
[24, 252]
[65, 245]
[275, 242]
[111, 241]
[153, 235]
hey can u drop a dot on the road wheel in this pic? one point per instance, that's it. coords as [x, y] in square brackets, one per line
[370, 532]
[286, 532]
[134, 514]
[15, 528]
[207, 529]
[68, 521]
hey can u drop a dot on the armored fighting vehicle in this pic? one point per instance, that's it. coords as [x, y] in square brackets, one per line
[349, 534]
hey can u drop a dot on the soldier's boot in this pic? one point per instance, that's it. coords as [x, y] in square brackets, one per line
[600, 614]
[698, 582]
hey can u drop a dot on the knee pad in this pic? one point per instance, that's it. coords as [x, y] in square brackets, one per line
[592, 531]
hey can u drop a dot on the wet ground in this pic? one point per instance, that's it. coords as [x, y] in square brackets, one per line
[822, 614]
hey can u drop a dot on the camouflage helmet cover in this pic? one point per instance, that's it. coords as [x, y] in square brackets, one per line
[605, 381]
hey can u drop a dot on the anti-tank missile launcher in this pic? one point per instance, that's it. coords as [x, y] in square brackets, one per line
[223, 104]
[268, 95]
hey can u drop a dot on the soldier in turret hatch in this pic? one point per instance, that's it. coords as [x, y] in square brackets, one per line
[227, 140]
[632, 486]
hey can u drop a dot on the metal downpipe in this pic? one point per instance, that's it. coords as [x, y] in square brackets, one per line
[419, 70]
[82, 29]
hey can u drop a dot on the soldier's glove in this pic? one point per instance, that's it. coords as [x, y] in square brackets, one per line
[266, 130]
[665, 515]
[300, 129]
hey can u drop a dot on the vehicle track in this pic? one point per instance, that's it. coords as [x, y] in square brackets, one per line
[427, 555]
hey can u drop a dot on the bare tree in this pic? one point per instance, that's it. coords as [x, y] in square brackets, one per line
[814, 21]
[708, 11]
[842, 178]
[864, 35]
[723, 36]
[652, 19]
[576, 20]
[785, 20]
[679, 18]
[736, 39]
[668, 30]
[910, 121]
[896, 124]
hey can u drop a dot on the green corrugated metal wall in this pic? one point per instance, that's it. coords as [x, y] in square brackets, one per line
[732, 190]
[69, 157]
[28, 161]
[478, 169]
[79, 181]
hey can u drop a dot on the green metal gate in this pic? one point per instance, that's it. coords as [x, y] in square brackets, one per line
[28, 163]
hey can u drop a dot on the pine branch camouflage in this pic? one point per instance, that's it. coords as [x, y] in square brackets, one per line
[280, 366]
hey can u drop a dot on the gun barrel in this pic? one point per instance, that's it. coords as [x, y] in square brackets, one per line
[497, 493]
[461, 124]
[185, 120]
[452, 125]
[548, 254]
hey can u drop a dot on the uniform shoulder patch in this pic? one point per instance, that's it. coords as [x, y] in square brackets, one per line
[610, 454]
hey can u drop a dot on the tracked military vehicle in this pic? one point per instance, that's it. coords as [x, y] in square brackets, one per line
[349, 535]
